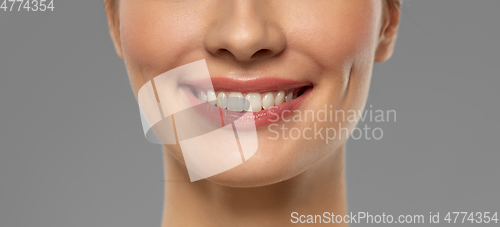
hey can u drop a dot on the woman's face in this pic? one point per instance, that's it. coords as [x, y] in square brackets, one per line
[323, 47]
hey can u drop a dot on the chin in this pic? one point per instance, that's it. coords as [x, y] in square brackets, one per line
[251, 174]
[274, 163]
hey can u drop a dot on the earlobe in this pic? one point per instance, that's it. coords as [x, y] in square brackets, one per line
[389, 31]
[114, 25]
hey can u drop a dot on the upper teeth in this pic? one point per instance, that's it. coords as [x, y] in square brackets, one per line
[222, 100]
[235, 101]
[255, 101]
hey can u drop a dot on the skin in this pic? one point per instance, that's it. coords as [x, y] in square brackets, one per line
[329, 44]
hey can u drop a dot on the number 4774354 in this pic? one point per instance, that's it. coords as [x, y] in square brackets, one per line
[27, 5]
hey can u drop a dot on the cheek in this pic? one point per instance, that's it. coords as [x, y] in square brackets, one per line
[155, 36]
[341, 37]
[337, 33]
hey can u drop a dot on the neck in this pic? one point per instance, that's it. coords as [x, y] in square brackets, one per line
[319, 189]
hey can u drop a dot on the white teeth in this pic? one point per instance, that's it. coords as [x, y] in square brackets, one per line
[222, 100]
[235, 102]
[202, 96]
[211, 98]
[289, 96]
[280, 98]
[268, 101]
[255, 102]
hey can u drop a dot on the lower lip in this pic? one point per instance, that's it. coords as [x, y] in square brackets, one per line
[262, 118]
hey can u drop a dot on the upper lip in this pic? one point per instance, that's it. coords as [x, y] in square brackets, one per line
[246, 85]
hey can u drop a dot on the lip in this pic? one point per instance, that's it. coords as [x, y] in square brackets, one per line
[246, 85]
[258, 119]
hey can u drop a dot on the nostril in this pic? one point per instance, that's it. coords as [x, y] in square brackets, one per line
[224, 53]
[262, 53]
[241, 56]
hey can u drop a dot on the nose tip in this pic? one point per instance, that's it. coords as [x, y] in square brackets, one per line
[247, 45]
[244, 34]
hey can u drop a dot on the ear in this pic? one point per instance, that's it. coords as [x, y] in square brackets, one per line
[389, 30]
[114, 24]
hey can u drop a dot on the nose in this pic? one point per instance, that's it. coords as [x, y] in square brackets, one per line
[245, 30]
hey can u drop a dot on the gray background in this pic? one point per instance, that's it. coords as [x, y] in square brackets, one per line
[67, 158]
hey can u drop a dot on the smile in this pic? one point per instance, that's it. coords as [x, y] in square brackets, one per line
[233, 97]
[235, 101]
